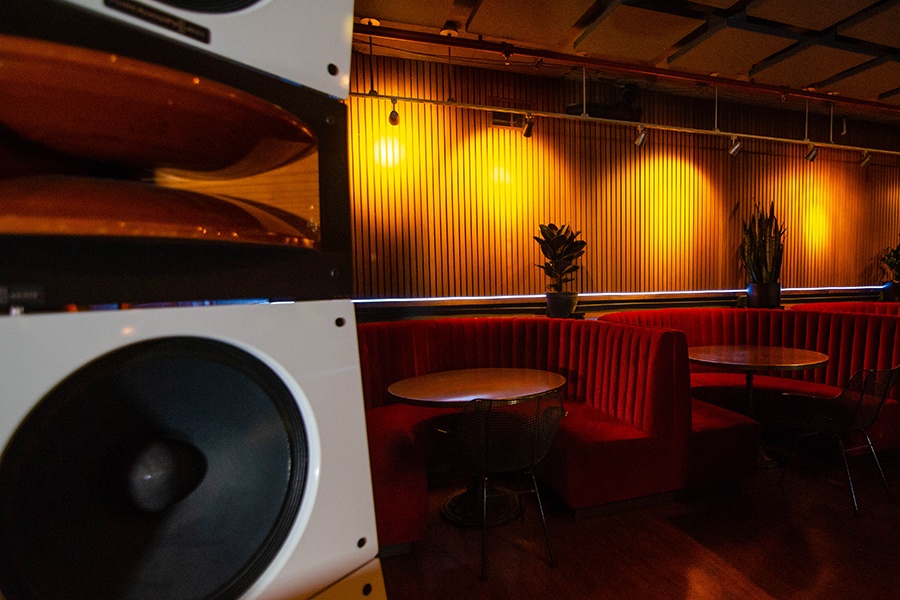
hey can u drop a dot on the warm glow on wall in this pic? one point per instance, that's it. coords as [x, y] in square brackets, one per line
[503, 197]
[503, 183]
[822, 209]
[389, 151]
[673, 209]
[816, 227]
[815, 199]
[501, 175]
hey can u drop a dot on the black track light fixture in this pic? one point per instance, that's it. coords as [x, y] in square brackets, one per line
[812, 153]
[529, 127]
[866, 159]
[641, 138]
[735, 146]
[394, 117]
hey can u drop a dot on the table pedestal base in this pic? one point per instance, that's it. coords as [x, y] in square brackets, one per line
[464, 506]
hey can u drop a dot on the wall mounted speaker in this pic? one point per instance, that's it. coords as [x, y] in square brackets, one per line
[307, 42]
[181, 453]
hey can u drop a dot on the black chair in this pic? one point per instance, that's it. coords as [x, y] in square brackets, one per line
[507, 436]
[853, 410]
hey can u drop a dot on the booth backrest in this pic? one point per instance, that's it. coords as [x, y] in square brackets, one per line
[852, 341]
[858, 306]
[637, 374]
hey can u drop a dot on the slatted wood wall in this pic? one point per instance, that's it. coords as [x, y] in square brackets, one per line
[445, 204]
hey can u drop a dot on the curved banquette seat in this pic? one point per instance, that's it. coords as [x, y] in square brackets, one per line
[631, 428]
[852, 341]
[852, 306]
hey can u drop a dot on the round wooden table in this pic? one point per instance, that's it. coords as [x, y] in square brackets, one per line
[449, 388]
[752, 359]
[463, 385]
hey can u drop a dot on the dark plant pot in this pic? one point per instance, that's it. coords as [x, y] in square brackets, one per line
[561, 304]
[890, 291]
[764, 295]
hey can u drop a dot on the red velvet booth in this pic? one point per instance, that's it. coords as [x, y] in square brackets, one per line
[853, 306]
[631, 430]
[852, 341]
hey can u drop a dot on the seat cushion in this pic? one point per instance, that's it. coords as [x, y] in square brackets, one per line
[597, 459]
[400, 438]
[723, 445]
[728, 389]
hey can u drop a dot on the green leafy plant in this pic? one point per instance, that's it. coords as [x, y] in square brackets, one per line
[561, 248]
[890, 258]
[762, 246]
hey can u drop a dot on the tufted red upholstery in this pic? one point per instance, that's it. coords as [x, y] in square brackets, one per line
[852, 341]
[857, 306]
[627, 394]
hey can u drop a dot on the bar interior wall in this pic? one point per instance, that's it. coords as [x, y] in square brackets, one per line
[446, 203]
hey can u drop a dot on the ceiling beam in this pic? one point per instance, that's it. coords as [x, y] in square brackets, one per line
[505, 49]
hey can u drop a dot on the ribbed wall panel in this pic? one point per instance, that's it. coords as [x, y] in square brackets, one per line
[446, 204]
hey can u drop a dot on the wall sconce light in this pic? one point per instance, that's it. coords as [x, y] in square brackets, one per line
[812, 154]
[394, 117]
[735, 146]
[866, 159]
[641, 137]
[529, 127]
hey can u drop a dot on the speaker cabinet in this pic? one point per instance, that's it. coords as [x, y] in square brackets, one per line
[307, 42]
[179, 453]
[78, 114]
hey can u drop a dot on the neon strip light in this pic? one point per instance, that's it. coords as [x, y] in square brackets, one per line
[600, 295]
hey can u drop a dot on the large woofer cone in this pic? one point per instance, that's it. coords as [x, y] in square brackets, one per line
[169, 469]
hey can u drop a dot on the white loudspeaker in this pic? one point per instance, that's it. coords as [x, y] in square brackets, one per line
[180, 453]
[307, 42]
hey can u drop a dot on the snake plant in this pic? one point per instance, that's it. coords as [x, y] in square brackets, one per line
[762, 246]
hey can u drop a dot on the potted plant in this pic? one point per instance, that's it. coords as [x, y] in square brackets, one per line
[890, 261]
[761, 251]
[560, 248]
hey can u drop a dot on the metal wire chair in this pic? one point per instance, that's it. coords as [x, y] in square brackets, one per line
[507, 436]
[853, 410]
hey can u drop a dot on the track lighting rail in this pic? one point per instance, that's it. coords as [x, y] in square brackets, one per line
[643, 126]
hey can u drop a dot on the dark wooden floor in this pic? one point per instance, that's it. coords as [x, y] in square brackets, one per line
[762, 541]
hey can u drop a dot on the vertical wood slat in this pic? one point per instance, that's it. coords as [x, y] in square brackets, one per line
[455, 214]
